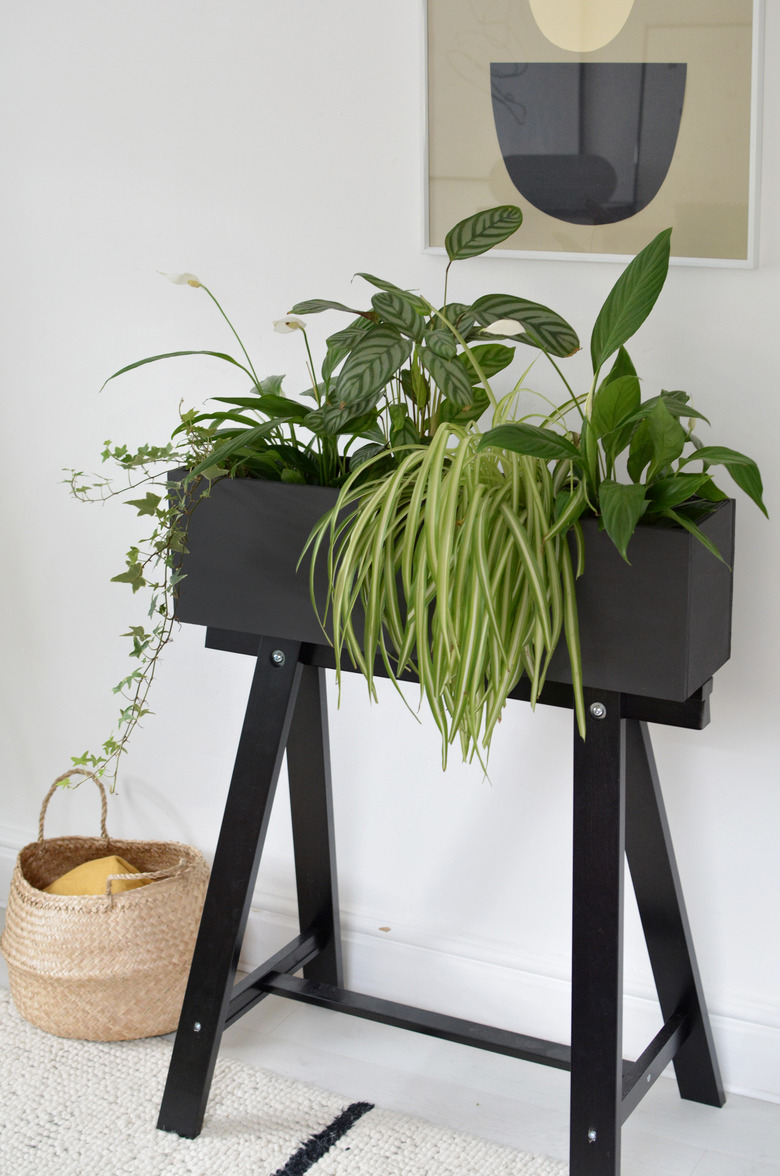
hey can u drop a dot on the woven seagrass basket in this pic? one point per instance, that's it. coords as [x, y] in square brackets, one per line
[105, 967]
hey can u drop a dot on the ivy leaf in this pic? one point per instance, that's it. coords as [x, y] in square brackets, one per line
[133, 576]
[147, 505]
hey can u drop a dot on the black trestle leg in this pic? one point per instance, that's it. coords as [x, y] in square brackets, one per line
[597, 939]
[311, 804]
[664, 920]
[258, 761]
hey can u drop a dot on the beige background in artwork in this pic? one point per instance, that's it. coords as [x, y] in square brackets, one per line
[706, 193]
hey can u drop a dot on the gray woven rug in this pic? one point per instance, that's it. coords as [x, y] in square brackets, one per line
[76, 1108]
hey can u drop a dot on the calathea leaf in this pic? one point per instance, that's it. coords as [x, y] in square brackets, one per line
[365, 453]
[414, 299]
[317, 305]
[341, 343]
[476, 234]
[449, 376]
[458, 414]
[396, 310]
[491, 357]
[415, 385]
[370, 365]
[461, 317]
[543, 327]
[441, 342]
[631, 299]
[402, 428]
[621, 509]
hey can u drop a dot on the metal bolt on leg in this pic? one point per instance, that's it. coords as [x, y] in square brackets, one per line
[277, 657]
[598, 710]
[591, 1136]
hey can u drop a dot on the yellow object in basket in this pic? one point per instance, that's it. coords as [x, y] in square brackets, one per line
[90, 877]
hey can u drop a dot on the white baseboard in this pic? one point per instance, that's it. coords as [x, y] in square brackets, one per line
[524, 996]
[467, 979]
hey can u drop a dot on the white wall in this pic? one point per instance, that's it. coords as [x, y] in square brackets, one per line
[275, 149]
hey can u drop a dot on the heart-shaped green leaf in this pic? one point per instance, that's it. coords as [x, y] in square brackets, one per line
[621, 509]
[614, 402]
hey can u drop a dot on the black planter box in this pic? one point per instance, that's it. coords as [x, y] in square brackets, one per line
[659, 627]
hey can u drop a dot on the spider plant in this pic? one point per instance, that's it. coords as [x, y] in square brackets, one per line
[465, 580]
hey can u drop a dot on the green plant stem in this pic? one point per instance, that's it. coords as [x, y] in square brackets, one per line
[235, 332]
[574, 399]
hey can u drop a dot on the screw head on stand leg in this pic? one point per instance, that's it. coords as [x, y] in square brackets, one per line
[598, 710]
[592, 1136]
[278, 658]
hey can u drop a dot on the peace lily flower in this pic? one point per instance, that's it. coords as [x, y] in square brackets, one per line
[182, 279]
[291, 323]
[504, 327]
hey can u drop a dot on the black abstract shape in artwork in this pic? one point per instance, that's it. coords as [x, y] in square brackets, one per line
[588, 142]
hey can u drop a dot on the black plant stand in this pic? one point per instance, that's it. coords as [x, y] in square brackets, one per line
[618, 814]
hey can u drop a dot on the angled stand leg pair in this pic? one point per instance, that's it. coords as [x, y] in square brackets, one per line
[618, 813]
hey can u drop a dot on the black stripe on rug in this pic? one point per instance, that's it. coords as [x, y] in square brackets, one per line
[321, 1143]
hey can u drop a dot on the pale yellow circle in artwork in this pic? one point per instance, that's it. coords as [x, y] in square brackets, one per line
[581, 25]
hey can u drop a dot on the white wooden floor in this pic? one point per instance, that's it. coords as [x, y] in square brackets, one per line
[513, 1103]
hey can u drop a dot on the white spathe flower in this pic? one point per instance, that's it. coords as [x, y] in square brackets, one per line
[504, 327]
[291, 323]
[182, 279]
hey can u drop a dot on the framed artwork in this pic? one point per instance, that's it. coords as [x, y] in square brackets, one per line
[604, 120]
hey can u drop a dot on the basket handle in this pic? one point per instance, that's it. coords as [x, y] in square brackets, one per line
[150, 876]
[53, 789]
